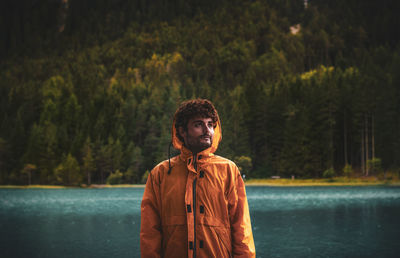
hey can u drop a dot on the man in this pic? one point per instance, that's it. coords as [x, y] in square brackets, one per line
[195, 205]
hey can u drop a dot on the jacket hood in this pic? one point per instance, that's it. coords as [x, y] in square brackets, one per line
[179, 145]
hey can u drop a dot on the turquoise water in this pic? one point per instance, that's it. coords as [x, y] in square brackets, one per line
[287, 222]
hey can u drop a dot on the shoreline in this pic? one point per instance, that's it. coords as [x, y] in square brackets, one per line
[338, 181]
[251, 182]
[94, 186]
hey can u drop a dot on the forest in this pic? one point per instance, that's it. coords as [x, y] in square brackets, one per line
[88, 89]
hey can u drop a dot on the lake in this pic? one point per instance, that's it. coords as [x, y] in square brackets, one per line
[287, 222]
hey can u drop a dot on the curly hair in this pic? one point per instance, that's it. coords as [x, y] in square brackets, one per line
[193, 108]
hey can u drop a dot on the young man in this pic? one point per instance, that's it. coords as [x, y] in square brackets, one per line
[195, 204]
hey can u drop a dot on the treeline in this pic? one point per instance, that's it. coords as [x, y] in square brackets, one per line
[306, 90]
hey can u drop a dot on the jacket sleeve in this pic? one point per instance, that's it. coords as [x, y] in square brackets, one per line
[150, 227]
[241, 233]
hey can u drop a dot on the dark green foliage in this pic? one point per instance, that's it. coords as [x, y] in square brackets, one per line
[115, 178]
[89, 88]
[244, 164]
[68, 172]
[329, 173]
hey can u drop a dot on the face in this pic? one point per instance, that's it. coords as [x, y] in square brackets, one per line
[199, 134]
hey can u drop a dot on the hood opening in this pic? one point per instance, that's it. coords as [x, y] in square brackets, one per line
[179, 145]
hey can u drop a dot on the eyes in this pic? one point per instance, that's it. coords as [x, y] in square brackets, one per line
[200, 124]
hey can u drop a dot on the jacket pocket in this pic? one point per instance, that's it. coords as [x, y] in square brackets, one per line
[174, 241]
[224, 241]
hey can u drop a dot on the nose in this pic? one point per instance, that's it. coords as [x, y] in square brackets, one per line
[207, 130]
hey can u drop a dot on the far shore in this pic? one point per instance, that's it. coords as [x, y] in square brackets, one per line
[338, 181]
[93, 186]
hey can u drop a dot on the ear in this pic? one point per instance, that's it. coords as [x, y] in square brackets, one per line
[182, 132]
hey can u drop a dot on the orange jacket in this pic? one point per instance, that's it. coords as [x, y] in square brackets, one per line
[199, 209]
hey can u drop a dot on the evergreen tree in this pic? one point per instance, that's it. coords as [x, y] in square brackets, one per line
[68, 171]
[88, 166]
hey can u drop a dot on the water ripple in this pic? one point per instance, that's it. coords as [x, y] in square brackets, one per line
[326, 196]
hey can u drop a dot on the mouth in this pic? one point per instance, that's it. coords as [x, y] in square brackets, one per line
[206, 138]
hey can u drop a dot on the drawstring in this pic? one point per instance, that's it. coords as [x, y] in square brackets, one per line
[169, 158]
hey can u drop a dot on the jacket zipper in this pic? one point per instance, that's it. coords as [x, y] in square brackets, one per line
[194, 206]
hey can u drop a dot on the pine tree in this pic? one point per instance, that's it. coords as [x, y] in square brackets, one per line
[88, 166]
[68, 171]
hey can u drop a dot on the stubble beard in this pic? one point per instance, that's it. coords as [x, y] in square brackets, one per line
[199, 145]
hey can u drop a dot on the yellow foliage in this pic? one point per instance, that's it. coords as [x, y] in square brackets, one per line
[320, 72]
[113, 82]
[351, 71]
[308, 75]
[176, 58]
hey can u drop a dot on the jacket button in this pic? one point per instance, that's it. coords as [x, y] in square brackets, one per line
[201, 174]
[189, 208]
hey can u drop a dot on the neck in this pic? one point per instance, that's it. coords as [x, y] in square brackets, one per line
[194, 151]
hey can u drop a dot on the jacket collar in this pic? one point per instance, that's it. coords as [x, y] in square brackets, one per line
[186, 153]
